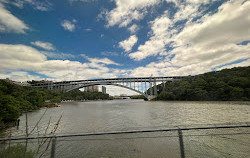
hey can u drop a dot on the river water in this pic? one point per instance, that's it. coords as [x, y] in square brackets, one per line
[127, 115]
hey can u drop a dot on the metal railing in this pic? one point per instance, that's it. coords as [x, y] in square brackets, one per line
[181, 136]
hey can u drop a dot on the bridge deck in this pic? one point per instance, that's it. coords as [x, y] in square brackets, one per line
[135, 79]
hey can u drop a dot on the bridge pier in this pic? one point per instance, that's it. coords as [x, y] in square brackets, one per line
[155, 88]
[150, 89]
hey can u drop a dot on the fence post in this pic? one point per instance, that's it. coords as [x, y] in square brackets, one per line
[181, 143]
[53, 147]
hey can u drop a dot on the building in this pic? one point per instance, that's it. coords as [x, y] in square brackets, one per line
[17, 83]
[40, 81]
[104, 90]
[91, 89]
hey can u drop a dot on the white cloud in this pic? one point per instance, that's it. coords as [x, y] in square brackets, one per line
[19, 76]
[128, 10]
[128, 44]
[44, 45]
[186, 12]
[164, 30]
[157, 42]
[88, 30]
[215, 38]
[200, 46]
[15, 57]
[10, 23]
[42, 5]
[107, 53]
[20, 57]
[55, 55]
[68, 25]
[133, 28]
[94, 61]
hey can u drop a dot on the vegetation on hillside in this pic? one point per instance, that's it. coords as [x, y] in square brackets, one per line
[80, 95]
[227, 84]
[137, 97]
[15, 99]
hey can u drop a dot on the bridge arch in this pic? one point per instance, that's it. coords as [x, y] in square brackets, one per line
[105, 83]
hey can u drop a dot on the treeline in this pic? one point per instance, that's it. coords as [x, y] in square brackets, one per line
[228, 84]
[80, 95]
[15, 99]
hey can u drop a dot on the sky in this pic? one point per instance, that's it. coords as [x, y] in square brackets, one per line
[87, 39]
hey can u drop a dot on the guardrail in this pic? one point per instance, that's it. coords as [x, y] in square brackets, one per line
[179, 133]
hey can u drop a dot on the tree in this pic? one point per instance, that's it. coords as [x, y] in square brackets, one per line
[236, 93]
[9, 108]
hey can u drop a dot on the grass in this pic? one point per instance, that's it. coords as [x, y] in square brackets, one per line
[16, 151]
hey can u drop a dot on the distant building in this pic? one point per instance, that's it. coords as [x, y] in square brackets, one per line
[104, 90]
[40, 81]
[17, 83]
[91, 89]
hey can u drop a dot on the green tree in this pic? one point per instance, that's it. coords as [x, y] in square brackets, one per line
[236, 93]
[9, 108]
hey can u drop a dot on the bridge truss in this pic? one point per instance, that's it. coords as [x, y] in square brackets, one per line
[146, 86]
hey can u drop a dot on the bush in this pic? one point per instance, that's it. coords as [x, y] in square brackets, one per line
[9, 108]
[16, 151]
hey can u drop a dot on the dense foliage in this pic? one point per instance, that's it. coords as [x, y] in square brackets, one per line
[80, 95]
[227, 84]
[15, 99]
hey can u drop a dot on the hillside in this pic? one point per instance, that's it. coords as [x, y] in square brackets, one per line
[15, 99]
[228, 84]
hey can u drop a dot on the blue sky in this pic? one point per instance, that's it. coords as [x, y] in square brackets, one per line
[85, 39]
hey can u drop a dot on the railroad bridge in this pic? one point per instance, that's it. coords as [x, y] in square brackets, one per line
[146, 86]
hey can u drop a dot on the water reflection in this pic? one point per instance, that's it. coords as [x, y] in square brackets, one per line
[117, 115]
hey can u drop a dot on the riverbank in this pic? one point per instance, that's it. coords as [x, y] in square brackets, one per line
[7, 125]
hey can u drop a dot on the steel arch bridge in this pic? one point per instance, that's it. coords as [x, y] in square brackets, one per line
[146, 86]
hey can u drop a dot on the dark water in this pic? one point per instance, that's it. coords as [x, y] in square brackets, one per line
[125, 115]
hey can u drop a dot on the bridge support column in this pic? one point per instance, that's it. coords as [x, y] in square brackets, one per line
[155, 87]
[151, 89]
[51, 86]
[142, 86]
[163, 84]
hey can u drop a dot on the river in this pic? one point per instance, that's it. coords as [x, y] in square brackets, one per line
[127, 115]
